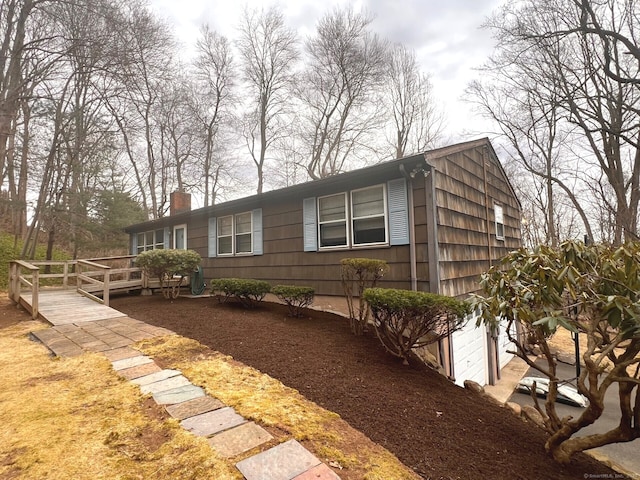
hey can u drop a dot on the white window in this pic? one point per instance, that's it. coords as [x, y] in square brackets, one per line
[332, 220]
[235, 234]
[180, 237]
[225, 235]
[497, 210]
[377, 215]
[368, 216]
[243, 233]
[362, 221]
[152, 240]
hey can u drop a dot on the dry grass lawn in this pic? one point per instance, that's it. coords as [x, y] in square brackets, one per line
[76, 418]
[280, 409]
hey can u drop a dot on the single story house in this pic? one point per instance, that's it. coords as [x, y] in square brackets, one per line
[439, 219]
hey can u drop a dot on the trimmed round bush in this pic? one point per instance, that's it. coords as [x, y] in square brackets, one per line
[296, 298]
[168, 264]
[405, 319]
[247, 291]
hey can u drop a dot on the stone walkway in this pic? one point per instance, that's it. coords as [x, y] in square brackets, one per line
[226, 431]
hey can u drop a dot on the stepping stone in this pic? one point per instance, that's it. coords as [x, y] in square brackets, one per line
[213, 422]
[93, 344]
[101, 347]
[194, 407]
[44, 336]
[67, 351]
[321, 472]
[166, 384]
[178, 395]
[156, 331]
[139, 371]
[138, 335]
[156, 377]
[65, 328]
[120, 353]
[130, 362]
[282, 462]
[239, 439]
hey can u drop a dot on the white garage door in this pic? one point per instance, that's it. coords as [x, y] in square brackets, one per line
[504, 344]
[470, 353]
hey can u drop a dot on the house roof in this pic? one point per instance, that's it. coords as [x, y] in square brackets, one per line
[349, 180]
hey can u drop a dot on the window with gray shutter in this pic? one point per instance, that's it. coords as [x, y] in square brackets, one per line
[310, 226]
[212, 237]
[256, 217]
[398, 212]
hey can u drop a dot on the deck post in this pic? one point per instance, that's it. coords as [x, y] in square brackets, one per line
[105, 295]
[34, 293]
[65, 275]
[14, 282]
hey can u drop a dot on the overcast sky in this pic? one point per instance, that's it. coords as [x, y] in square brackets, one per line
[445, 34]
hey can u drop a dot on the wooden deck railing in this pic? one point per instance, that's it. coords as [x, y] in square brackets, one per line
[17, 279]
[93, 277]
[89, 277]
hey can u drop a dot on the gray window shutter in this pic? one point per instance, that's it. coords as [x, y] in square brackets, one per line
[256, 220]
[134, 244]
[310, 226]
[213, 237]
[167, 237]
[398, 212]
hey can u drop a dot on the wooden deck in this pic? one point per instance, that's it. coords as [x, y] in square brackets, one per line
[63, 307]
[72, 291]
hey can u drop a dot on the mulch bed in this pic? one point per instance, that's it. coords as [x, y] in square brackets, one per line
[439, 430]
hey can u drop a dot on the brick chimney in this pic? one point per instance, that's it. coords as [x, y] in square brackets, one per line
[179, 202]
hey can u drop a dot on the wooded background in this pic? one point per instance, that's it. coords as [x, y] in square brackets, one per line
[101, 117]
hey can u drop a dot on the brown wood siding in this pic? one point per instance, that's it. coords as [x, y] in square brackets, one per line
[461, 212]
[462, 218]
[284, 261]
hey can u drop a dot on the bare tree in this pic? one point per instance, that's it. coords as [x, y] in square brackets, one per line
[146, 54]
[68, 49]
[558, 73]
[212, 105]
[177, 137]
[539, 141]
[22, 67]
[340, 91]
[614, 40]
[268, 50]
[416, 122]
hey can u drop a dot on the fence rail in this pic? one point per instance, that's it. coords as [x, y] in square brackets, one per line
[94, 278]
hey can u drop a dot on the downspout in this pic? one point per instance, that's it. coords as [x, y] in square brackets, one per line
[432, 230]
[486, 203]
[412, 230]
[431, 211]
[492, 337]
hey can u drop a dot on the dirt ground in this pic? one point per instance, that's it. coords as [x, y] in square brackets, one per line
[439, 430]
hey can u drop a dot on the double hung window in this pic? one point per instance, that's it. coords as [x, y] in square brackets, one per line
[332, 215]
[499, 214]
[151, 240]
[235, 234]
[374, 216]
[354, 219]
[368, 216]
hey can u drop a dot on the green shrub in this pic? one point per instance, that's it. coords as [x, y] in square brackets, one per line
[404, 319]
[170, 267]
[247, 291]
[356, 275]
[296, 298]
